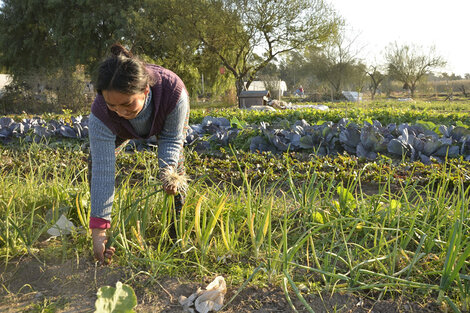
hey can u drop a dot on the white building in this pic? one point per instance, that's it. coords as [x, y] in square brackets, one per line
[5, 79]
[277, 88]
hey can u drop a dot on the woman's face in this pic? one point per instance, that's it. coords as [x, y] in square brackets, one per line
[126, 106]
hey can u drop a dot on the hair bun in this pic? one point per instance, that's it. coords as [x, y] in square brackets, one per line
[117, 49]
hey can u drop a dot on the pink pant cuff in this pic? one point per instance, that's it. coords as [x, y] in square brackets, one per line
[96, 222]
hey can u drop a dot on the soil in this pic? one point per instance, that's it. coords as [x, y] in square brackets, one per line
[70, 286]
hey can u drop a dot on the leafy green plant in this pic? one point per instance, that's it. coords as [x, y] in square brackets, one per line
[346, 201]
[119, 299]
[383, 113]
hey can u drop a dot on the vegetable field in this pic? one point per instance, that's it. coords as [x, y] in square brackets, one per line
[310, 228]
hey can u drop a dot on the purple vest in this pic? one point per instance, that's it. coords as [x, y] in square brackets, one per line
[166, 92]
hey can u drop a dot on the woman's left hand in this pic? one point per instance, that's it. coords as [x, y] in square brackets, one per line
[102, 254]
[171, 190]
[172, 181]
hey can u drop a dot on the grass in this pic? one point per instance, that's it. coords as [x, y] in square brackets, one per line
[319, 231]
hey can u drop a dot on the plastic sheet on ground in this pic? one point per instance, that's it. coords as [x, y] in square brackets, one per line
[62, 227]
[320, 107]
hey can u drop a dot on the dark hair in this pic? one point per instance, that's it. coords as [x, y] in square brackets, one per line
[122, 72]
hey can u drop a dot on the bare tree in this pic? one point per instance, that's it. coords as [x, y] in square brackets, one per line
[338, 64]
[463, 90]
[376, 78]
[409, 64]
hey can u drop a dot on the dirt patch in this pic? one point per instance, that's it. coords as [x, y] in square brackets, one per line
[71, 286]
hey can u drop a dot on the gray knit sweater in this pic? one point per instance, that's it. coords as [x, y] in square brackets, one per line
[102, 145]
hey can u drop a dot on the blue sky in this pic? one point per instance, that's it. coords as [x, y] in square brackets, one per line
[426, 23]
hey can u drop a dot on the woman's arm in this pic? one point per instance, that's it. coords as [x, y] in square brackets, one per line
[102, 145]
[171, 139]
[103, 168]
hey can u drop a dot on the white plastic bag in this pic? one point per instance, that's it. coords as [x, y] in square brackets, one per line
[204, 301]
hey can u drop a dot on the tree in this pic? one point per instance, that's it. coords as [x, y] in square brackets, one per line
[25, 41]
[296, 70]
[159, 35]
[38, 34]
[50, 36]
[376, 77]
[293, 70]
[452, 76]
[338, 65]
[44, 42]
[243, 36]
[232, 30]
[409, 64]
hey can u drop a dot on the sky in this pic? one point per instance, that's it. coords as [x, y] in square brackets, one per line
[443, 24]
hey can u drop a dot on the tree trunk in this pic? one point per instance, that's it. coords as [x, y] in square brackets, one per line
[412, 90]
[372, 93]
[464, 92]
[338, 91]
[240, 88]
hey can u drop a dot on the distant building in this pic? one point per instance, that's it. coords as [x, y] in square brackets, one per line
[249, 98]
[5, 79]
[276, 87]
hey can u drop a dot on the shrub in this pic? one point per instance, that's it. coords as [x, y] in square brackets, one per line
[45, 91]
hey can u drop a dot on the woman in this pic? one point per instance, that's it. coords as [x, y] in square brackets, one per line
[135, 100]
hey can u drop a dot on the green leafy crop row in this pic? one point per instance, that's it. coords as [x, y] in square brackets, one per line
[357, 115]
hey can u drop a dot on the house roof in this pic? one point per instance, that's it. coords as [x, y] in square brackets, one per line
[263, 85]
[254, 94]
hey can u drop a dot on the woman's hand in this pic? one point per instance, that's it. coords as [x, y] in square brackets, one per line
[172, 181]
[171, 189]
[102, 254]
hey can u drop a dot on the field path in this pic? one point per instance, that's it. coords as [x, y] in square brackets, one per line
[70, 286]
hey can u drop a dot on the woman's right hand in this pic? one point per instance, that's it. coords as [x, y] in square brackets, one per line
[102, 254]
